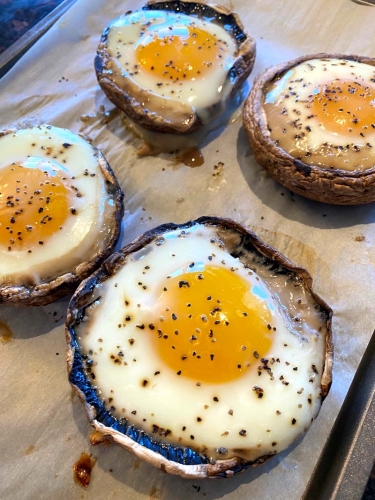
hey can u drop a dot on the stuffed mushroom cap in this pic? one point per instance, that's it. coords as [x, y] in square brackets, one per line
[199, 348]
[310, 123]
[60, 213]
[173, 66]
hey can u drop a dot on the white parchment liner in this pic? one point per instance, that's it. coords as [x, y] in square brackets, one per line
[44, 428]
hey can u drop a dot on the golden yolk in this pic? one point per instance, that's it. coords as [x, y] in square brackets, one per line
[34, 203]
[341, 106]
[212, 326]
[176, 58]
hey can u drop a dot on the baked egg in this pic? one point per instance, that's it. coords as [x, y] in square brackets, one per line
[60, 213]
[311, 125]
[200, 349]
[173, 66]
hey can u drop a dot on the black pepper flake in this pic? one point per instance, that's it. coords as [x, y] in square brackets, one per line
[259, 391]
[151, 326]
[144, 383]
[179, 372]
[216, 399]
[127, 318]
[199, 419]
[157, 373]
[242, 432]
[141, 327]
[183, 284]
[66, 145]
[294, 421]
[174, 317]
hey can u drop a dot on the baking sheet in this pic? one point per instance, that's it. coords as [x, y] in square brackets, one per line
[11, 55]
[44, 429]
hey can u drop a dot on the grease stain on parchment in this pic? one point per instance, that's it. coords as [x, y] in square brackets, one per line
[155, 493]
[136, 464]
[31, 449]
[6, 334]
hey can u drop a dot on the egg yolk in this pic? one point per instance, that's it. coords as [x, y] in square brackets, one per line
[179, 57]
[34, 204]
[344, 106]
[212, 325]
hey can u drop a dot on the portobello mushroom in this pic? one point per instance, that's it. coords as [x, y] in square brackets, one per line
[177, 79]
[310, 125]
[154, 387]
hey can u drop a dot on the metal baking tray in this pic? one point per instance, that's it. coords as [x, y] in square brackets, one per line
[13, 53]
[348, 456]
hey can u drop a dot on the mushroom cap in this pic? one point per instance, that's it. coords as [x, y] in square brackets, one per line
[165, 456]
[335, 186]
[176, 117]
[51, 289]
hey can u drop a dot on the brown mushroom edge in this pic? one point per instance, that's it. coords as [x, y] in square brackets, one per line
[168, 457]
[45, 292]
[177, 118]
[336, 186]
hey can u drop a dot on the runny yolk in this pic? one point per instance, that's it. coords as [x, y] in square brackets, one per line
[175, 57]
[212, 326]
[341, 106]
[34, 204]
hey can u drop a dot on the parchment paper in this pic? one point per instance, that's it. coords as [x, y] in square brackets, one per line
[43, 427]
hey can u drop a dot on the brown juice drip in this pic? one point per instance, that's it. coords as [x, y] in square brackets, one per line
[97, 437]
[191, 157]
[82, 470]
[6, 335]
[30, 450]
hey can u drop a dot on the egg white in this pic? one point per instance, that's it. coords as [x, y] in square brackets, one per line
[221, 420]
[306, 137]
[80, 235]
